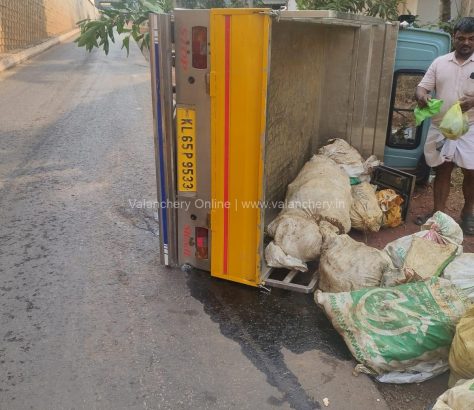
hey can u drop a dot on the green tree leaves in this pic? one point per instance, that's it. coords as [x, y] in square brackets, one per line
[127, 18]
[385, 9]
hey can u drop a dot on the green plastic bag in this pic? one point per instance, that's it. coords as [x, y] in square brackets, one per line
[433, 107]
[455, 123]
[400, 334]
[354, 181]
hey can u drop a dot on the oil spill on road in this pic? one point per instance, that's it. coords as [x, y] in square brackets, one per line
[263, 323]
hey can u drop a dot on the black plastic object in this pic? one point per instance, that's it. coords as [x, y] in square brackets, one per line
[409, 18]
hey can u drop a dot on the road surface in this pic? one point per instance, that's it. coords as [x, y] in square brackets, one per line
[89, 319]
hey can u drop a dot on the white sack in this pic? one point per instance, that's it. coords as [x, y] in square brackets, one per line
[460, 397]
[296, 239]
[447, 228]
[345, 155]
[426, 258]
[349, 159]
[365, 213]
[346, 265]
[276, 258]
[461, 272]
[321, 191]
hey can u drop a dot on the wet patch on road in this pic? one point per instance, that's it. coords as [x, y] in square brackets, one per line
[263, 324]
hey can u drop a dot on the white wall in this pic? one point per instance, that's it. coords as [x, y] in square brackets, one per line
[428, 10]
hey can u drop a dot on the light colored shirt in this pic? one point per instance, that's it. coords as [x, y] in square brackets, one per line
[450, 80]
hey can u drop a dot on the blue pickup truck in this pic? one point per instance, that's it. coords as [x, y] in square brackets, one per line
[416, 49]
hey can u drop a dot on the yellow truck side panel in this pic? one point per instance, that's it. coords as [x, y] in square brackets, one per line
[239, 65]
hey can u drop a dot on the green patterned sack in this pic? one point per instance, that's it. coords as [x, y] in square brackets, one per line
[403, 333]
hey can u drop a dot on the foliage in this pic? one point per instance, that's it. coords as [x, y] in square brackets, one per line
[126, 17]
[210, 4]
[446, 26]
[244, 3]
[201, 4]
[385, 9]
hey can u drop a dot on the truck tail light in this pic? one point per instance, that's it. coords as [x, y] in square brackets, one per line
[202, 251]
[199, 47]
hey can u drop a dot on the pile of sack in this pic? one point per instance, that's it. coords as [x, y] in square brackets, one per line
[398, 316]
[397, 308]
[321, 191]
[333, 187]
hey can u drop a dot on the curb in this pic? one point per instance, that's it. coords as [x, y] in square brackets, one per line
[11, 60]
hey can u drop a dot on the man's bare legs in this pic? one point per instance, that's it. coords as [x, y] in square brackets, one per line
[468, 191]
[442, 185]
[441, 188]
[467, 213]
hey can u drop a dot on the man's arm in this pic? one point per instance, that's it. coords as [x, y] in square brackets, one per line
[466, 103]
[422, 96]
[427, 84]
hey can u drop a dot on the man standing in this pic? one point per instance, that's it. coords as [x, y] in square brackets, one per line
[451, 77]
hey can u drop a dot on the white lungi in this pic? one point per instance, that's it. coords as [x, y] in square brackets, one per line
[439, 149]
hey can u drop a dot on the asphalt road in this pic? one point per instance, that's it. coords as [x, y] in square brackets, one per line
[89, 319]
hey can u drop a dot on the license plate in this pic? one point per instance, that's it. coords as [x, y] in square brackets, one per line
[186, 149]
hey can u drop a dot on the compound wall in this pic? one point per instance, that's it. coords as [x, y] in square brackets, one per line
[24, 23]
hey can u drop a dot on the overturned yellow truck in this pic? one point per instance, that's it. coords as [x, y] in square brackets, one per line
[243, 97]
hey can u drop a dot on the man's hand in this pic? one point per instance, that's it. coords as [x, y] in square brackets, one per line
[466, 103]
[422, 97]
